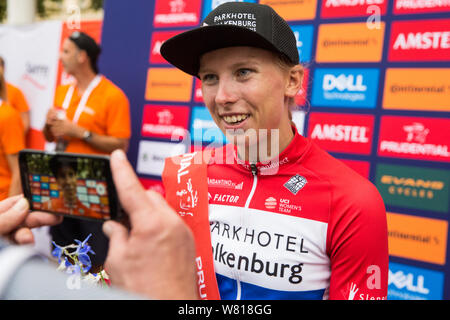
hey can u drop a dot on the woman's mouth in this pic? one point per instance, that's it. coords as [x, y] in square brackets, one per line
[235, 119]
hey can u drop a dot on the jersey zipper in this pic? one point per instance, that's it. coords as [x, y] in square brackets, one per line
[254, 170]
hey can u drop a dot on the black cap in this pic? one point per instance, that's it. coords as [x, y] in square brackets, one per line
[229, 25]
[84, 42]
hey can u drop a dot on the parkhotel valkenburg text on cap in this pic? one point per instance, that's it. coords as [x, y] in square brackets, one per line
[231, 24]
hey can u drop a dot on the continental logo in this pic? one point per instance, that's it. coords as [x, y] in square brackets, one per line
[346, 8]
[349, 42]
[168, 84]
[414, 187]
[417, 238]
[421, 6]
[421, 40]
[425, 89]
[293, 9]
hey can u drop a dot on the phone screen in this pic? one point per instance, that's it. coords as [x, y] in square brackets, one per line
[70, 184]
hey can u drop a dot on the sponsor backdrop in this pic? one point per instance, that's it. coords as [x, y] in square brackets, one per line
[377, 91]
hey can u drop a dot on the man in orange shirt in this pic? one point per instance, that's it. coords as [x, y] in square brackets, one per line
[90, 116]
[12, 140]
[15, 98]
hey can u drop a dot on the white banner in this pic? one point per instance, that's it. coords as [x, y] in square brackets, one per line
[31, 55]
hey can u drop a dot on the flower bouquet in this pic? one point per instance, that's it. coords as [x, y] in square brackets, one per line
[74, 260]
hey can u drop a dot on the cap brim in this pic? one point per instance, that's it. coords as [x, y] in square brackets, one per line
[185, 49]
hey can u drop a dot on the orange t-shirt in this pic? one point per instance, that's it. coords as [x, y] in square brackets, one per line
[12, 140]
[107, 112]
[16, 98]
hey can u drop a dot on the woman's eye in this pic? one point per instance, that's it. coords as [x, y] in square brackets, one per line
[242, 73]
[208, 78]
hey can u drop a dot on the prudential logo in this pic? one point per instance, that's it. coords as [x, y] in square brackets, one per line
[355, 88]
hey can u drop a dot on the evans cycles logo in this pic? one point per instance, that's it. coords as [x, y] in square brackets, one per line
[415, 138]
[413, 187]
[345, 87]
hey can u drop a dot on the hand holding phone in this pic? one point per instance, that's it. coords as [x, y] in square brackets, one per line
[69, 184]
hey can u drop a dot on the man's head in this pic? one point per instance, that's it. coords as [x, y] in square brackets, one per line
[79, 51]
[65, 171]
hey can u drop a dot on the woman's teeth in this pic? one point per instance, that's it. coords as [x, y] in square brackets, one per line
[235, 118]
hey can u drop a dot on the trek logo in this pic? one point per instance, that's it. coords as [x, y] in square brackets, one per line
[420, 6]
[412, 283]
[295, 183]
[342, 132]
[350, 8]
[167, 122]
[169, 13]
[415, 138]
[345, 88]
[420, 40]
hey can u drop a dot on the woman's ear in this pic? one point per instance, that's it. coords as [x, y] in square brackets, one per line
[295, 80]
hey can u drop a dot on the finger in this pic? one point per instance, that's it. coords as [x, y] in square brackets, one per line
[23, 236]
[13, 217]
[130, 191]
[37, 219]
[118, 240]
[9, 202]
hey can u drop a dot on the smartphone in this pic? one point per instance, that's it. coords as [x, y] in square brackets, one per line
[69, 184]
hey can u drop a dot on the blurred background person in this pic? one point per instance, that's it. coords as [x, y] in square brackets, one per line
[14, 96]
[90, 116]
[12, 140]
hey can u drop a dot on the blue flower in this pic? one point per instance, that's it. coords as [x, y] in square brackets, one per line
[57, 252]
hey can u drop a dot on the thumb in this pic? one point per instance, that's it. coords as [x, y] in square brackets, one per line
[13, 217]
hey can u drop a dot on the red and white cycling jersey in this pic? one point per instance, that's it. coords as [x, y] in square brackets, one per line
[305, 226]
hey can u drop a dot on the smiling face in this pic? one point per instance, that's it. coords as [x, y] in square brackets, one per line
[245, 88]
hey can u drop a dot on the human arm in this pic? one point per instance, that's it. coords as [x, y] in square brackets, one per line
[156, 258]
[15, 186]
[65, 128]
[359, 248]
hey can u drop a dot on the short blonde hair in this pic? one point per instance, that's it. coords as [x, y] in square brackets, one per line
[285, 64]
